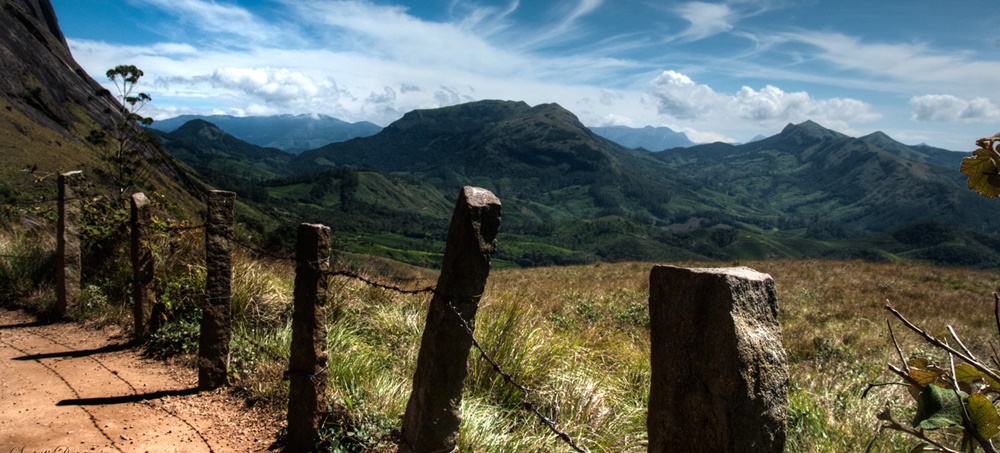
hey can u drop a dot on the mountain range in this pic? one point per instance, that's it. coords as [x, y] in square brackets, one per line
[649, 137]
[570, 195]
[292, 133]
[297, 133]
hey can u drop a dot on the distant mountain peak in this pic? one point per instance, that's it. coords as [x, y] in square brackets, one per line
[809, 129]
[289, 132]
[649, 137]
[878, 135]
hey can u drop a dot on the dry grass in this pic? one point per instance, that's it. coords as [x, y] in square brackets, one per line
[578, 336]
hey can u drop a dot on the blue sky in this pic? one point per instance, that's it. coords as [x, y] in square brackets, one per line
[922, 71]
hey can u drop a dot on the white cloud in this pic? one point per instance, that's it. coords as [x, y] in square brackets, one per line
[613, 119]
[917, 65]
[274, 85]
[698, 136]
[677, 96]
[948, 108]
[706, 19]
[680, 97]
[219, 19]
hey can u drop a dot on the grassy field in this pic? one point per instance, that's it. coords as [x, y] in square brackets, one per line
[577, 336]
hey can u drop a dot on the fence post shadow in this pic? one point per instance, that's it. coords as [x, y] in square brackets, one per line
[433, 412]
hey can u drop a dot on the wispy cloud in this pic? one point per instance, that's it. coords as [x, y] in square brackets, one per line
[217, 19]
[705, 19]
[914, 63]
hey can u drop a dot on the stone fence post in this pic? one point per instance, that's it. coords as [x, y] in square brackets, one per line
[433, 413]
[143, 265]
[719, 372]
[216, 320]
[307, 364]
[68, 243]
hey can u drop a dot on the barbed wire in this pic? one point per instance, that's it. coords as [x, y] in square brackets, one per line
[258, 250]
[507, 377]
[37, 202]
[369, 282]
[525, 402]
[170, 229]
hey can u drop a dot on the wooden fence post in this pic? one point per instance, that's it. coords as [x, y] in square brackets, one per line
[433, 413]
[68, 243]
[216, 320]
[719, 372]
[307, 364]
[143, 265]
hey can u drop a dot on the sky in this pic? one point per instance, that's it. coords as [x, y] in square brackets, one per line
[922, 71]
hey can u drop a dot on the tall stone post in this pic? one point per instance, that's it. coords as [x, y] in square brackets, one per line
[68, 243]
[307, 365]
[719, 372]
[216, 319]
[433, 413]
[143, 265]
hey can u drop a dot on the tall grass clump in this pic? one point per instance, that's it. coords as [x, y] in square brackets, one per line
[27, 265]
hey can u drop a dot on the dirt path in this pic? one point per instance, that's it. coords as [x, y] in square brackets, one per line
[66, 388]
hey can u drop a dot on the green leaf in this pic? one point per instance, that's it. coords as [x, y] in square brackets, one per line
[919, 362]
[992, 383]
[983, 172]
[938, 408]
[925, 377]
[967, 373]
[984, 415]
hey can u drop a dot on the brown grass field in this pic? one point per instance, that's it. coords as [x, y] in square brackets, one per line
[577, 336]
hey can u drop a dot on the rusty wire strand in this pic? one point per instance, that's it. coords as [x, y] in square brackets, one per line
[369, 282]
[259, 251]
[171, 229]
[525, 402]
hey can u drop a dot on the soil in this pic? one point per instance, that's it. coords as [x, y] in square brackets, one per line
[66, 387]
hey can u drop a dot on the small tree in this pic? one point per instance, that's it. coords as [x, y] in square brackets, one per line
[125, 142]
[958, 394]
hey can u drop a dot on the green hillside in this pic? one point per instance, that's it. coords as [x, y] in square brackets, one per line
[571, 196]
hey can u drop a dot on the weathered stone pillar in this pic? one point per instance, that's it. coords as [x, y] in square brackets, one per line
[68, 243]
[433, 413]
[719, 372]
[216, 319]
[143, 265]
[307, 365]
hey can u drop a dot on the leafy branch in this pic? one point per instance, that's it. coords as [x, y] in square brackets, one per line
[953, 397]
[983, 168]
[947, 397]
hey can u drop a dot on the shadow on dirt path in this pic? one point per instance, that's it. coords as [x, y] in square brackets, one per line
[64, 387]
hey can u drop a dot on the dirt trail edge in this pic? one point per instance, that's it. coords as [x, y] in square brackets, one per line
[64, 387]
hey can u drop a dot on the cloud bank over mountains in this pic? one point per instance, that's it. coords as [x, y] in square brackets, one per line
[724, 70]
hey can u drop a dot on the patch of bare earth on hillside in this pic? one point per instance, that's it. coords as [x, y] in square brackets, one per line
[65, 387]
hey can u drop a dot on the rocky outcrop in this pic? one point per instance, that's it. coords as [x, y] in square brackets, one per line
[38, 75]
